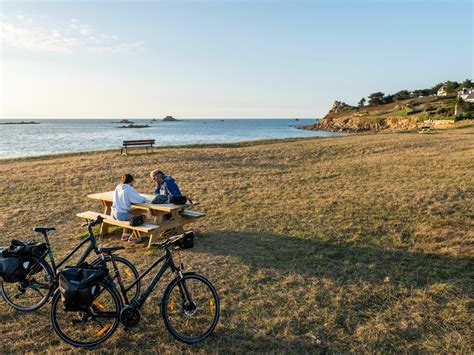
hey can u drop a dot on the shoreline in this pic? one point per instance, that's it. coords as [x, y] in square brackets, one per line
[241, 144]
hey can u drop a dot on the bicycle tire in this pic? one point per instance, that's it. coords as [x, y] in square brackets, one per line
[166, 302]
[26, 284]
[56, 302]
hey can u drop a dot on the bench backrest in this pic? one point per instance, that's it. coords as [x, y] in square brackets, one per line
[141, 142]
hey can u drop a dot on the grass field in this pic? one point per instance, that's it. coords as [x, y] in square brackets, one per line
[355, 243]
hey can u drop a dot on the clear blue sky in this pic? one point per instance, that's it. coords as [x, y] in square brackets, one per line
[219, 59]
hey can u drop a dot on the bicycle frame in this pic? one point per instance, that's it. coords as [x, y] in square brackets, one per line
[92, 247]
[168, 263]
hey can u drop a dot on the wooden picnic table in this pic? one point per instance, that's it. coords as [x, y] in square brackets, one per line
[160, 212]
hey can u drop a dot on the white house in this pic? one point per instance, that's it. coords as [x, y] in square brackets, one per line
[442, 91]
[467, 94]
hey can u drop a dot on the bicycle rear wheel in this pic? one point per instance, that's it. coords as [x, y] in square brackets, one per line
[190, 308]
[91, 327]
[32, 292]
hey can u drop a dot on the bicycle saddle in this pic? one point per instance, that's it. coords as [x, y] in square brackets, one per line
[43, 229]
[110, 249]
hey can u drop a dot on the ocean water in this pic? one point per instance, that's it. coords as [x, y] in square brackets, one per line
[79, 135]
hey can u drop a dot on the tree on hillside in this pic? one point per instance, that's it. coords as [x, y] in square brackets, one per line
[388, 99]
[452, 86]
[376, 98]
[420, 93]
[401, 95]
[362, 102]
[467, 83]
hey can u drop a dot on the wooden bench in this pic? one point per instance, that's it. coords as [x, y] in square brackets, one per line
[194, 214]
[145, 143]
[148, 229]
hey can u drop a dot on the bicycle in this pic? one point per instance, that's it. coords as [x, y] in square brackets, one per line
[35, 290]
[190, 306]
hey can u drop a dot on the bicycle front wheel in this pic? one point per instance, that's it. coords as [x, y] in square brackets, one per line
[91, 327]
[32, 292]
[190, 308]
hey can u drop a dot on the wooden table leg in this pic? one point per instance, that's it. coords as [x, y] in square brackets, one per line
[104, 229]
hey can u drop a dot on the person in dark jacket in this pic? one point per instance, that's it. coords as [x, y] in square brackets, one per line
[166, 186]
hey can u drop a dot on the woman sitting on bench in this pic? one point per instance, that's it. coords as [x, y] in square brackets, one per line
[124, 196]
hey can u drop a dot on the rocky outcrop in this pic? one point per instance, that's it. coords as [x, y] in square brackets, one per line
[135, 126]
[400, 115]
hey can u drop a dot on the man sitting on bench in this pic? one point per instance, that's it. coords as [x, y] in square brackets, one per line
[166, 186]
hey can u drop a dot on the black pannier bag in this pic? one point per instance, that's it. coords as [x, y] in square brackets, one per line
[79, 285]
[17, 260]
[13, 267]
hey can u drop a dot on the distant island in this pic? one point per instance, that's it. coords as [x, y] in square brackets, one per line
[438, 107]
[124, 121]
[169, 118]
[21, 122]
[134, 126]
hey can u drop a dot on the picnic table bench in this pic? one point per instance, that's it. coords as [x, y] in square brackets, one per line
[166, 217]
[144, 143]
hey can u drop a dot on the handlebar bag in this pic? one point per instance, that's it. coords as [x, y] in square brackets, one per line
[79, 286]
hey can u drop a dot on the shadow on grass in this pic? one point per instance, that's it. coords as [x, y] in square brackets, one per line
[344, 264]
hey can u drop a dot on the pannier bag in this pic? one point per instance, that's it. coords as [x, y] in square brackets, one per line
[79, 285]
[17, 260]
[13, 267]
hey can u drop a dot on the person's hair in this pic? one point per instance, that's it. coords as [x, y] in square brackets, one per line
[127, 179]
[158, 173]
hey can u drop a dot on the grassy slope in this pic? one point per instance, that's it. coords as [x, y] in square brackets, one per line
[354, 243]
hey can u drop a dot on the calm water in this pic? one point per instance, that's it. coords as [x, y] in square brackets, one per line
[62, 136]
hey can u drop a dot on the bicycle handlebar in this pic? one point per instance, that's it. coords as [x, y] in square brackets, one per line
[95, 222]
[170, 241]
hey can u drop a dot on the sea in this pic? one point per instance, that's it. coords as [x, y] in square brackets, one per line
[54, 136]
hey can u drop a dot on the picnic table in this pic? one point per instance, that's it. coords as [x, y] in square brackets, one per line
[166, 217]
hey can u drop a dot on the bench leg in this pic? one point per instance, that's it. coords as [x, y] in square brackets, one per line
[150, 242]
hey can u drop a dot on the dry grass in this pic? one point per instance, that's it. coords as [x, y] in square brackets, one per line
[357, 243]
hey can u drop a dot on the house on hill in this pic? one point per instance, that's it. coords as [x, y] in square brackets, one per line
[442, 91]
[467, 94]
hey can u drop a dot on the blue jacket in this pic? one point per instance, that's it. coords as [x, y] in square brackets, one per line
[169, 187]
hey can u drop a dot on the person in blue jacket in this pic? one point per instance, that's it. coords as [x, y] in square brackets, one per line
[166, 186]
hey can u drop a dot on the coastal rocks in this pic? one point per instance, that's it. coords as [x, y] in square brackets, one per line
[169, 118]
[124, 121]
[21, 122]
[134, 126]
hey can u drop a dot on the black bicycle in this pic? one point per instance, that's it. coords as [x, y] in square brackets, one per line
[190, 305]
[34, 291]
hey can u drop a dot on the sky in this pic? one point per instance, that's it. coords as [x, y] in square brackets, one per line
[223, 59]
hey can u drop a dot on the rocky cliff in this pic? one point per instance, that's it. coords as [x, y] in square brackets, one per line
[402, 115]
